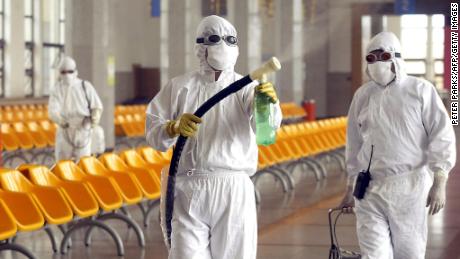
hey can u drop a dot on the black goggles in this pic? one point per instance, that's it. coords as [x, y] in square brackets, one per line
[383, 56]
[215, 39]
[67, 72]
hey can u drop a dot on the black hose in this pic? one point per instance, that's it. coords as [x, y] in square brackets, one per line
[180, 143]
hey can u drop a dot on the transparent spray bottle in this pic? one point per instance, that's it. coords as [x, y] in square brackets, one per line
[264, 115]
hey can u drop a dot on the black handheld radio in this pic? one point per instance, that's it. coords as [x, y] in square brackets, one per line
[362, 182]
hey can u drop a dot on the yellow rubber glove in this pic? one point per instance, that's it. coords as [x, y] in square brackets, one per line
[269, 90]
[186, 125]
[95, 117]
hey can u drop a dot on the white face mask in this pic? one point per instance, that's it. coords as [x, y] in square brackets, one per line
[67, 79]
[380, 72]
[222, 56]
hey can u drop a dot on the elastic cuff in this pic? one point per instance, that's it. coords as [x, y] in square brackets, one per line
[440, 175]
[169, 127]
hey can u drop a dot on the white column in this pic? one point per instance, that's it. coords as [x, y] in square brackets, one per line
[164, 48]
[179, 21]
[37, 49]
[245, 17]
[289, 18]
[14, 49]
[298, 66]
[192, 19]
[430, 75]
[176, 37]
[92, 21]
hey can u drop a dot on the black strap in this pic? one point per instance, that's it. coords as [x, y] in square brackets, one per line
[200, 40]
[86, 95]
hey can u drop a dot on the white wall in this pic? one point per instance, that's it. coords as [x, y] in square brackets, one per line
[339, 33]
[137, 35]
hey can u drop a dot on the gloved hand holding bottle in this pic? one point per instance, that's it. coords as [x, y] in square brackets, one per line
[267, 89]
[265, 98]
[437, 195]
[186, 125]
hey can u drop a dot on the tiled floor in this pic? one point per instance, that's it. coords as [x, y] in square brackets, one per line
[291, 225]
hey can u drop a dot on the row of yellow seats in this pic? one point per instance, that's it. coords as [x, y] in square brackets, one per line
[130, 125]
[130, 109]
[292, 110]
[130, 119]
[29, 115]
[305, 139]
[24, 107]
[28, 135]
[34, 194]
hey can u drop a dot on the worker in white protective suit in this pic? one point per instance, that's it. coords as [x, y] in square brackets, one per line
[405, 121]
[75, 106]
[214, 209]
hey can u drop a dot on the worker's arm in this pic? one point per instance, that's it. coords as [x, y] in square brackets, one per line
[95, 103]
[54, 107]
[160, 112]
[354, 141]
[441, 153]
[247, 95]
[353, 146]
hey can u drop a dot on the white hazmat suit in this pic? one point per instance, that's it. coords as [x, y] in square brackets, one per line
[413, 139]
[76, 108]
[214, 209]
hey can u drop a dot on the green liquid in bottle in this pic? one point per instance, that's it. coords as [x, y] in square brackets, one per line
[265, 126]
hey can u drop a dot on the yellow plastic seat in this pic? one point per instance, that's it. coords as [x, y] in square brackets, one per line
[25, 212]
[8, 229]
[49, 130]
[125, 126]
[39, 137]
[10, 141]
[104, 191]
[124, 182]
[146, 180]
[7, 225]
[132, 127]
[77, 194]
[51, 202]
[118, 128]
[25, 139]
[134, 160]
[8, 116]
[139, 121]
[152, 156]
[40, 115]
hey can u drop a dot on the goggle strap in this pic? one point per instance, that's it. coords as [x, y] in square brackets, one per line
[200, 40]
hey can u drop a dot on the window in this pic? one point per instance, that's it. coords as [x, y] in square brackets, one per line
[437, 23]
[53, 35]
[422, 39]
[29, 49]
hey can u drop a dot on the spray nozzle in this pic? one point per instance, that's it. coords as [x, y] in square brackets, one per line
[272, 65]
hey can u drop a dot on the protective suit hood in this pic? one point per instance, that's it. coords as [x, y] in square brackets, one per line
[387, 41]
[212, 25]
[68, 64]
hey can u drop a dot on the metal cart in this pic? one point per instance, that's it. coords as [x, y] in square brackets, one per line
[336, 252]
